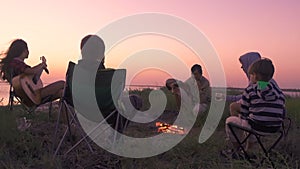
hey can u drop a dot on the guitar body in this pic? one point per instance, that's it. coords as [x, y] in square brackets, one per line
[28, 90]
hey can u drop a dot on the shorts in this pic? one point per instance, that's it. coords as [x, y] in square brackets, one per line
[241, 134]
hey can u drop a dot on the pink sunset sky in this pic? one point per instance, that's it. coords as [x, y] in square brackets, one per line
[54, 29]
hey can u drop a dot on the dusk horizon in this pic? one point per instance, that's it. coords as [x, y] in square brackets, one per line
[233, 29]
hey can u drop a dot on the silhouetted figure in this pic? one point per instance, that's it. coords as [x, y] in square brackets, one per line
[13, 65]
[262, 105]
[92, 52]
[246, 60]
[196, 82]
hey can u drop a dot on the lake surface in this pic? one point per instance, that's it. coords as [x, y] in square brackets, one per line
[4, 93]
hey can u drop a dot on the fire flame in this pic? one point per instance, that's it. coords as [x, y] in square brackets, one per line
[168, 128]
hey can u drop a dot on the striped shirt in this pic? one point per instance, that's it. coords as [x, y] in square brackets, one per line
[265, 108]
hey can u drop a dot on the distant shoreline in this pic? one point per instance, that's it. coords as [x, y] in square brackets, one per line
[228, 88]
[159, 86]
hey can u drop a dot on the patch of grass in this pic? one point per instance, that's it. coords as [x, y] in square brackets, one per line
[33, 148]
[293, 109]
[19, 149]
[8, 130]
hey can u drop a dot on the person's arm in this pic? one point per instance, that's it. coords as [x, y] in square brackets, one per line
[38, 68]
[233, 98]
[207, 90]
[245, 104]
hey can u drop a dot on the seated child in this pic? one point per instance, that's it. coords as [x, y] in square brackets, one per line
[263, 104]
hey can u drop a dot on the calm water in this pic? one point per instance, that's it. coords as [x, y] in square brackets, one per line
[4, 93]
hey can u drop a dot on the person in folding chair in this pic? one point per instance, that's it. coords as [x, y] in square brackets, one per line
[92, 50]
[262, 110]
[25, 79]
[246, 60]
[92, 84]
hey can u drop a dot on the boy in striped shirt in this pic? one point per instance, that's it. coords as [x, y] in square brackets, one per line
[263, 103]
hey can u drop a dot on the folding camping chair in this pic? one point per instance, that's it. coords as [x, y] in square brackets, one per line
[281, 133]
[30, 109]
[66, 105]
[103, 89]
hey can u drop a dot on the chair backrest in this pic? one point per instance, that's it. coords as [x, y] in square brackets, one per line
[109, 84]
[67, 95]
[9, 74]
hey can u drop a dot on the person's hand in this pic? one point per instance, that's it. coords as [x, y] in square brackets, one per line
[43, 59]
[44, 64]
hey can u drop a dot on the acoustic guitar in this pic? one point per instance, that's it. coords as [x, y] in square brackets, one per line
[27, 88]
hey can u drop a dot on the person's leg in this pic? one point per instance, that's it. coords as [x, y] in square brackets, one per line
[199, 109]
[229, 134]
[251, 140]
[203, 107]
[136, 101]
[54, 89]
[235, 108]
[178, 101]
[250, 147]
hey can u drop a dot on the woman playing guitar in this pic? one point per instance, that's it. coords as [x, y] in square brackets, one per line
[13, 65]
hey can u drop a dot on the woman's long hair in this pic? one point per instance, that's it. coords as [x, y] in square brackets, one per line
[15, 50]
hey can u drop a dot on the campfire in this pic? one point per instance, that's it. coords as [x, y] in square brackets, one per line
[168, 128]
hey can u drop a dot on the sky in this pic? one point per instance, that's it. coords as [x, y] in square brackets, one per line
[54, 29]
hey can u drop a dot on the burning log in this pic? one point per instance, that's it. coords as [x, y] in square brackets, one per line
[168, 128]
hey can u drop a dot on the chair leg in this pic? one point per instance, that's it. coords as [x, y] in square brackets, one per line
[11, 97]
[56, 128]
[116, 128]
[50, 110]
[286, 129]
[11, 101]
[29, 110]
[267, 151]
[73, 119]
[61, 106]
[67, 117]
[258, 138]
[240, 142]
[90, 132]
